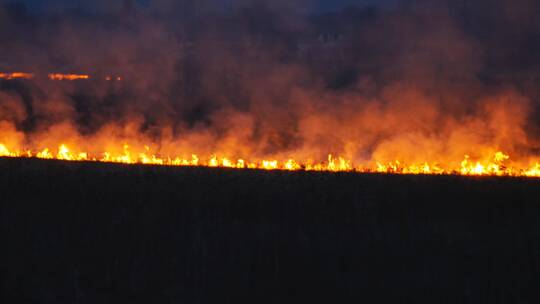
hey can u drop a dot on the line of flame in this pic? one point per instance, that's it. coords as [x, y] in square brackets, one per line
[57, 76]
[16, 75]
[494, 167]
[54, 76]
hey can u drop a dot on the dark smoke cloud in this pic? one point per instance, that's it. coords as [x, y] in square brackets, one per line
[263, 78]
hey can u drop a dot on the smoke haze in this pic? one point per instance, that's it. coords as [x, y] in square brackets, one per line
[421, 81]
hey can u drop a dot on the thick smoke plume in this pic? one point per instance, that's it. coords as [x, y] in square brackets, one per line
[422, 81]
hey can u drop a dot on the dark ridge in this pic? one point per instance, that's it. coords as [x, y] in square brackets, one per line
[104, 233]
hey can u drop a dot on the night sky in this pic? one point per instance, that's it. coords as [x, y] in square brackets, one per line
[314, 6]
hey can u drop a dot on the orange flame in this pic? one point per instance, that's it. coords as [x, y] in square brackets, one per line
[16, 75]
[396, 156]
[495, 166]
[70, 77]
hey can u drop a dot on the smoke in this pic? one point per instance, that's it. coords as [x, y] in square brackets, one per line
[429, 81]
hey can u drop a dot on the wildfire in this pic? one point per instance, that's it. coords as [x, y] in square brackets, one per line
[491, 162]
[68, 76]
[495, 166]
[16, 75]
[54, 76]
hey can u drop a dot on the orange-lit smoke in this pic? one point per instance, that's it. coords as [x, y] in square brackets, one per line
[402, 91]
[418, 139]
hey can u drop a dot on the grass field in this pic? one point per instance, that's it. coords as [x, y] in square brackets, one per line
[104, 233]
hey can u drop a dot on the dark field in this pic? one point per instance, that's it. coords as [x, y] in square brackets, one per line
[100, 233]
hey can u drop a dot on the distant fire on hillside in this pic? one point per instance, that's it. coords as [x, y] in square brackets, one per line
[55, 76]
[416, 88]
[63, 142]
[16, 75]
[494, 166]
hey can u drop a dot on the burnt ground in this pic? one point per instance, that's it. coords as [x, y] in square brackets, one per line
[101, 233]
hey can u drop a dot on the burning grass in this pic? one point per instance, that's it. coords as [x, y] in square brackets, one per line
[495, 166]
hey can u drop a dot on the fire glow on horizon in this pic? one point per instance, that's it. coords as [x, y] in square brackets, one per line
[491, 161]
[494, 166]
[264, 87]
[54, 76]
